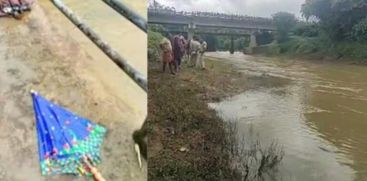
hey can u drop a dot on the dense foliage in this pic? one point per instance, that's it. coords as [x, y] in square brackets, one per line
[224, 43]
[337, 17]
[334, 29]
[359, 31]
[211, 40]
[154, 38]
[159, 29]
[263, 38]
[284, 22]
[306, 29]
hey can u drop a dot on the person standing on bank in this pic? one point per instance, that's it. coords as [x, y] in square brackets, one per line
[194, 48]
[178, 51]
[167, 55]
[203, 48]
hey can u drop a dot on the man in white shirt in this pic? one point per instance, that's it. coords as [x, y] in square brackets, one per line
[194, 49]
[203, 47]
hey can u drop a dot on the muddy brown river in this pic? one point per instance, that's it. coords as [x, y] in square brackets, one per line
[317, 112]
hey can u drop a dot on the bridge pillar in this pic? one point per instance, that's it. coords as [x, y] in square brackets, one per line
[253, 42]
[231, 50]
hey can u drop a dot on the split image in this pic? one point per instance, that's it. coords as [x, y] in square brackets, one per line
[86, 106]
[186, 90]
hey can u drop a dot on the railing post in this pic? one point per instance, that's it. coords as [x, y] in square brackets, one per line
[121, 8]
[109, 51]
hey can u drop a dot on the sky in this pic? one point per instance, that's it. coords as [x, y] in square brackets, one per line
[262, 8]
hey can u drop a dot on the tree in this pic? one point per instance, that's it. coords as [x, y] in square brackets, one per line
[211, 40]
[263, 38]
[241, 43]
[284, 22]
[359, 31]
[336, 17]
[306, 29]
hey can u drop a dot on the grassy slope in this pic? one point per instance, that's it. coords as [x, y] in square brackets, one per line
[179, 117]
[316, 48]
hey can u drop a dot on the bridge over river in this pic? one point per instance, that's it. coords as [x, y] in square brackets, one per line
[192, 23]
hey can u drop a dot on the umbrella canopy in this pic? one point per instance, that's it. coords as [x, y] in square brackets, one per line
[64, 138]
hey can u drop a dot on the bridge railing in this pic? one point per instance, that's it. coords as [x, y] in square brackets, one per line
[119, 60]
[173, 12]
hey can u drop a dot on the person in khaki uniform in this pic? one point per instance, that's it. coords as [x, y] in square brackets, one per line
[203, 48]
[194, 48]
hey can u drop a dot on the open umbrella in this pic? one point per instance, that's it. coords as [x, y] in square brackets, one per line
[67, 143]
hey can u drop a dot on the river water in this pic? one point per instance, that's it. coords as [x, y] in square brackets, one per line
[319, 115]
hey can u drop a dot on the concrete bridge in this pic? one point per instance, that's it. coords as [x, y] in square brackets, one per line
[210, 23]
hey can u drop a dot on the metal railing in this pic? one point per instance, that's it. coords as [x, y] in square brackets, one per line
[135, 18]
[108, 50]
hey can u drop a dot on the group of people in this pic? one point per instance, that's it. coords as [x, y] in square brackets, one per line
[174, 49]
[14, 8]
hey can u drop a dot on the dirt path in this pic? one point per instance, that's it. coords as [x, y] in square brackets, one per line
[46, 55]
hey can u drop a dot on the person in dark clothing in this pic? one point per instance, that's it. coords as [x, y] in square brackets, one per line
[178, 43]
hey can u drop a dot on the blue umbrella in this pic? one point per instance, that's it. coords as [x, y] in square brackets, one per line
[64, 138]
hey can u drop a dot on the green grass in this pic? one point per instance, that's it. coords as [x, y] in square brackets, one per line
[315, 47]
[179, 117]
[154, 39]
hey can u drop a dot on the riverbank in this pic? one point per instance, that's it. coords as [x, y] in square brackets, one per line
[185, 136]
[316, 49]
[187, 139]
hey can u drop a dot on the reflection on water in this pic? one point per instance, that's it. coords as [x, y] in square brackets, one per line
[320, 116]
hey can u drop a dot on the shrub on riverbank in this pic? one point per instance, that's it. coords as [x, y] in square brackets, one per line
[188, 140]
[316, 47]
[337, 30]
[154, 38]
[185, 136]
[359, 31]
[251, 161]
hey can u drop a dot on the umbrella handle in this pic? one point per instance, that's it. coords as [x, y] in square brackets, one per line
[96, 174]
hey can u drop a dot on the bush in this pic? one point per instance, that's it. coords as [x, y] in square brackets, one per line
[284, 22]
[154, 39]
[159, 29]
[359, 31]
[263, 38]
[306, 30]
[250, 160]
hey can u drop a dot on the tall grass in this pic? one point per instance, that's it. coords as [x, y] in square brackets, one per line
[154, 38]
[250, 160]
